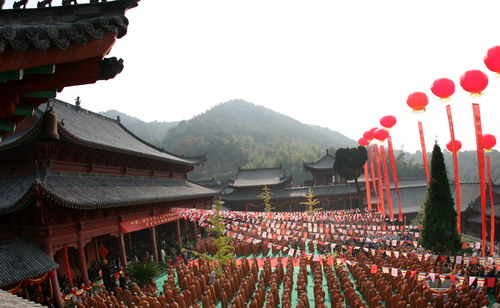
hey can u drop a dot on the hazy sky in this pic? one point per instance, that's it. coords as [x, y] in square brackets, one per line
[337, 64]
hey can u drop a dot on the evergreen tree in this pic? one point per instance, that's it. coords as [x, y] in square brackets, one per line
[225, 251]
[266, 197]
[349, 164]
[310, 202]
[439, 232]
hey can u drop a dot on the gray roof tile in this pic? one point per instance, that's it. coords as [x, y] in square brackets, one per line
[8, 300]
[21, 259]
[90, 191]
[84, 126]
[260, 177]
[324, 163]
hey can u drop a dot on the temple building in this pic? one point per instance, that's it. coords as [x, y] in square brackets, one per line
[472, 216]
[243, 193]
[322, 171]
[94, 183]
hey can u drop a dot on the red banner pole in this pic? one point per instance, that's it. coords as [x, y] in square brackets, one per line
[480, 166]
[456, 173]
[386, 181]
[367, 187]
[492, 208]
[424, 152]
[372, 168]
[395, 177]
[379, 179]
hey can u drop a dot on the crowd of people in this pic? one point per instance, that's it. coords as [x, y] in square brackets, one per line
[360, 260]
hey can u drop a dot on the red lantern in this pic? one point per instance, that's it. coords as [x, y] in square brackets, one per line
[368, 135]
[381, 134]
[363, 142]
[474, 81]
[388, 121]
[443, 88]
[489, 142]
[458, 146]
[417, 101]
[492, 59]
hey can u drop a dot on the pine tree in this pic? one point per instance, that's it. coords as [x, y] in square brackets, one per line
[311, 202]
[439, 232]
[266, 197]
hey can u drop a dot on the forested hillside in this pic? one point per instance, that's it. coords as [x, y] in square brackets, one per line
[240, 134]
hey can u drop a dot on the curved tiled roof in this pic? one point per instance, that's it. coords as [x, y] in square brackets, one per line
[91, 191]
[15, 191]
[21, 259]
[293, 192]
[62, 26]
[260, 177]
[324, 163]
[95, 130]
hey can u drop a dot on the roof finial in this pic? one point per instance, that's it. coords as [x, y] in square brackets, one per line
[326, 151]
[78, 102]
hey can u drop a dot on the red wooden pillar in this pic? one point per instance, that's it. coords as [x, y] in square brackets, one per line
[83, 261]
[154, 245]
[25, 291]
[121, 248]
[57, 299]
[178, 232]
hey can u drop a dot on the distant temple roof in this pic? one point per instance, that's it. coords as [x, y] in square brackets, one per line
[21, 259]
[292, 192]
[260, 177]
[476, 203]
[92, 191]
[325, 163]
[93, 130]
[413, 194]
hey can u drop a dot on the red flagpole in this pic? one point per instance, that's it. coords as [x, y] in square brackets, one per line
[372, 168]
[395, 177]
[367, 187]
[380, 187]
[386, 181]
[480, 166]
[456, 173]
[492, 208]
[424, 152]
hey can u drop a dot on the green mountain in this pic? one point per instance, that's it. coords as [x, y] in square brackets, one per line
[153, 132]
[240, 134]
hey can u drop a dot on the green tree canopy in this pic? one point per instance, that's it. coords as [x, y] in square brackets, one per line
[349, 164]
[439, 232]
